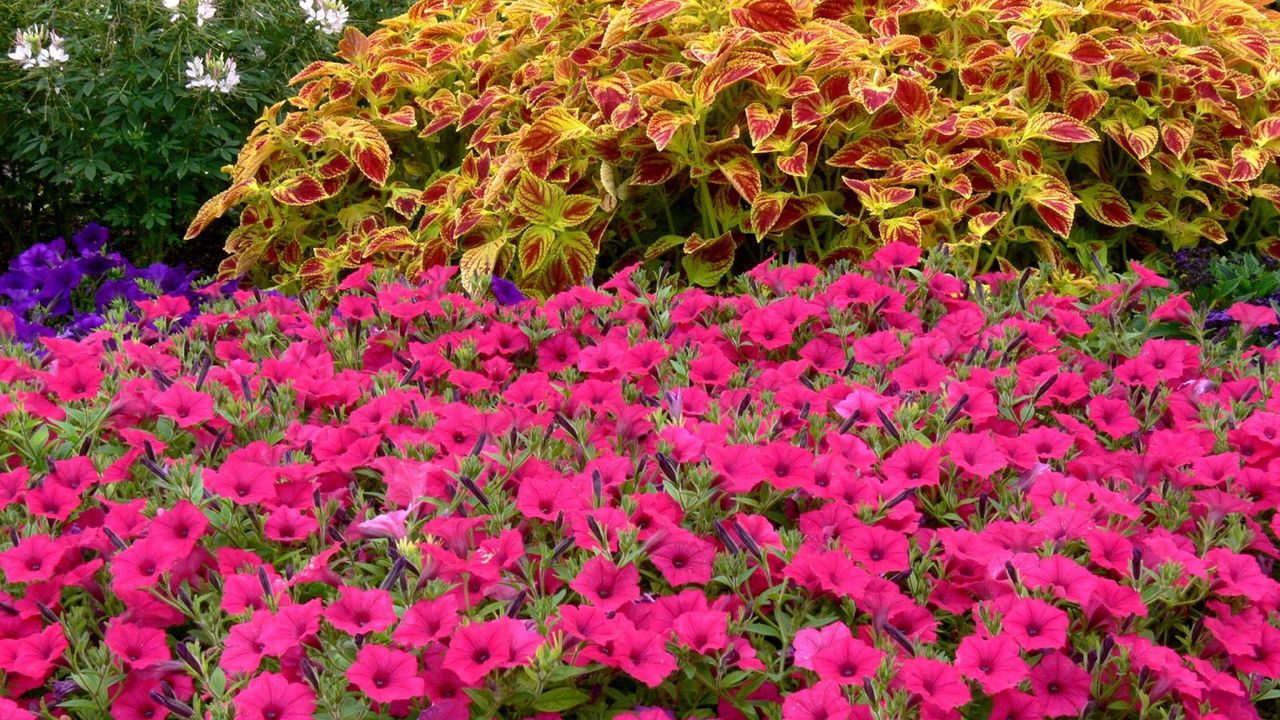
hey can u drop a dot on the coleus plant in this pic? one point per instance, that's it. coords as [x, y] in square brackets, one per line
[536, 139]
[882, 493]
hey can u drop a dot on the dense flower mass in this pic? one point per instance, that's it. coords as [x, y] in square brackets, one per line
[66, 289]
[877, 493]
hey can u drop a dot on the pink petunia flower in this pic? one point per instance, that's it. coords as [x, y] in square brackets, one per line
[1251, 317]
[606, 585]
[1060, 687]
[822, 701]
[137, 646]
[937, 683]
[385, 674]
[359, 612]
[994, 663]
[272, 696]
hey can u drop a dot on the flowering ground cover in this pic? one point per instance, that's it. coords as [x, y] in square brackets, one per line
[878, 493]
[67, 289]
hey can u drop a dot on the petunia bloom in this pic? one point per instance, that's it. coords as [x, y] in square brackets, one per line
[272, 696]
[386, 674]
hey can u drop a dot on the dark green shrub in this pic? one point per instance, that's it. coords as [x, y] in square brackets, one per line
[114, 135]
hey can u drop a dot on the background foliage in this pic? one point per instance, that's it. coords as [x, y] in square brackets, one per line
[114, 135]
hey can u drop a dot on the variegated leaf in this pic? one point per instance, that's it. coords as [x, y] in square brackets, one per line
[761, 122]
[477, 264]
[535, 248]
[706, 261]
[663, 126]
[1106, 205]
[1059, 128]
[537, 200]
[553, 126]
[299, 190]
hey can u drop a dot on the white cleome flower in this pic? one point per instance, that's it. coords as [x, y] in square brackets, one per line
[212, 73]
[329, 16]
[37, 47]
[205, 10]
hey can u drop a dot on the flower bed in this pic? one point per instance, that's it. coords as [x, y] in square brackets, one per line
[885, 493]
[61, 289]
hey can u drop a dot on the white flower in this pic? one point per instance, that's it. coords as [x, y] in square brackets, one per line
[218, 74]
[329, 16]
[37, 47]
[205, 10]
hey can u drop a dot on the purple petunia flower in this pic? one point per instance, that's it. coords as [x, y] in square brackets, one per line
[506, 292]
[53, 290]
[91, 239]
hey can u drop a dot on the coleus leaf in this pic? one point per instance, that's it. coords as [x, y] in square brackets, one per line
[1083, 103]
[299, 190]
[1054, 203]
[215, 206]
[535, 248]
[739, 168]
[318, 69]
[761, 122]
[795, 163]
[553, 126]
[394, 240]
[1247, 163]
[367, 148]
[799, 207]
[1138, 142]
[537, 200]
[718, 76]
[404, 200]
[1266, 131]
[905, 229]
[911, 97]
[1106, 205]
[663, 126]
[875, 95]
[1152, 216]
[1082, 49]
[767, 16]
[706, 261]
[982, 223]
[1210, 230]
[653, 11]
[1270, 192]
[1176, 134]
[406, 117]
[571, 260]
[545, 203]
[766, 209]
[1059, 128]
[575, 209]
[477, 264]
[877, 198]
[662, 245]
[652, 169]
[1019, 37]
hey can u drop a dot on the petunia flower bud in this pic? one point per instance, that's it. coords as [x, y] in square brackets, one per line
[173, 705]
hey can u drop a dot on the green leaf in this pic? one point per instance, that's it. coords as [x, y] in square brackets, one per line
[560, 699]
